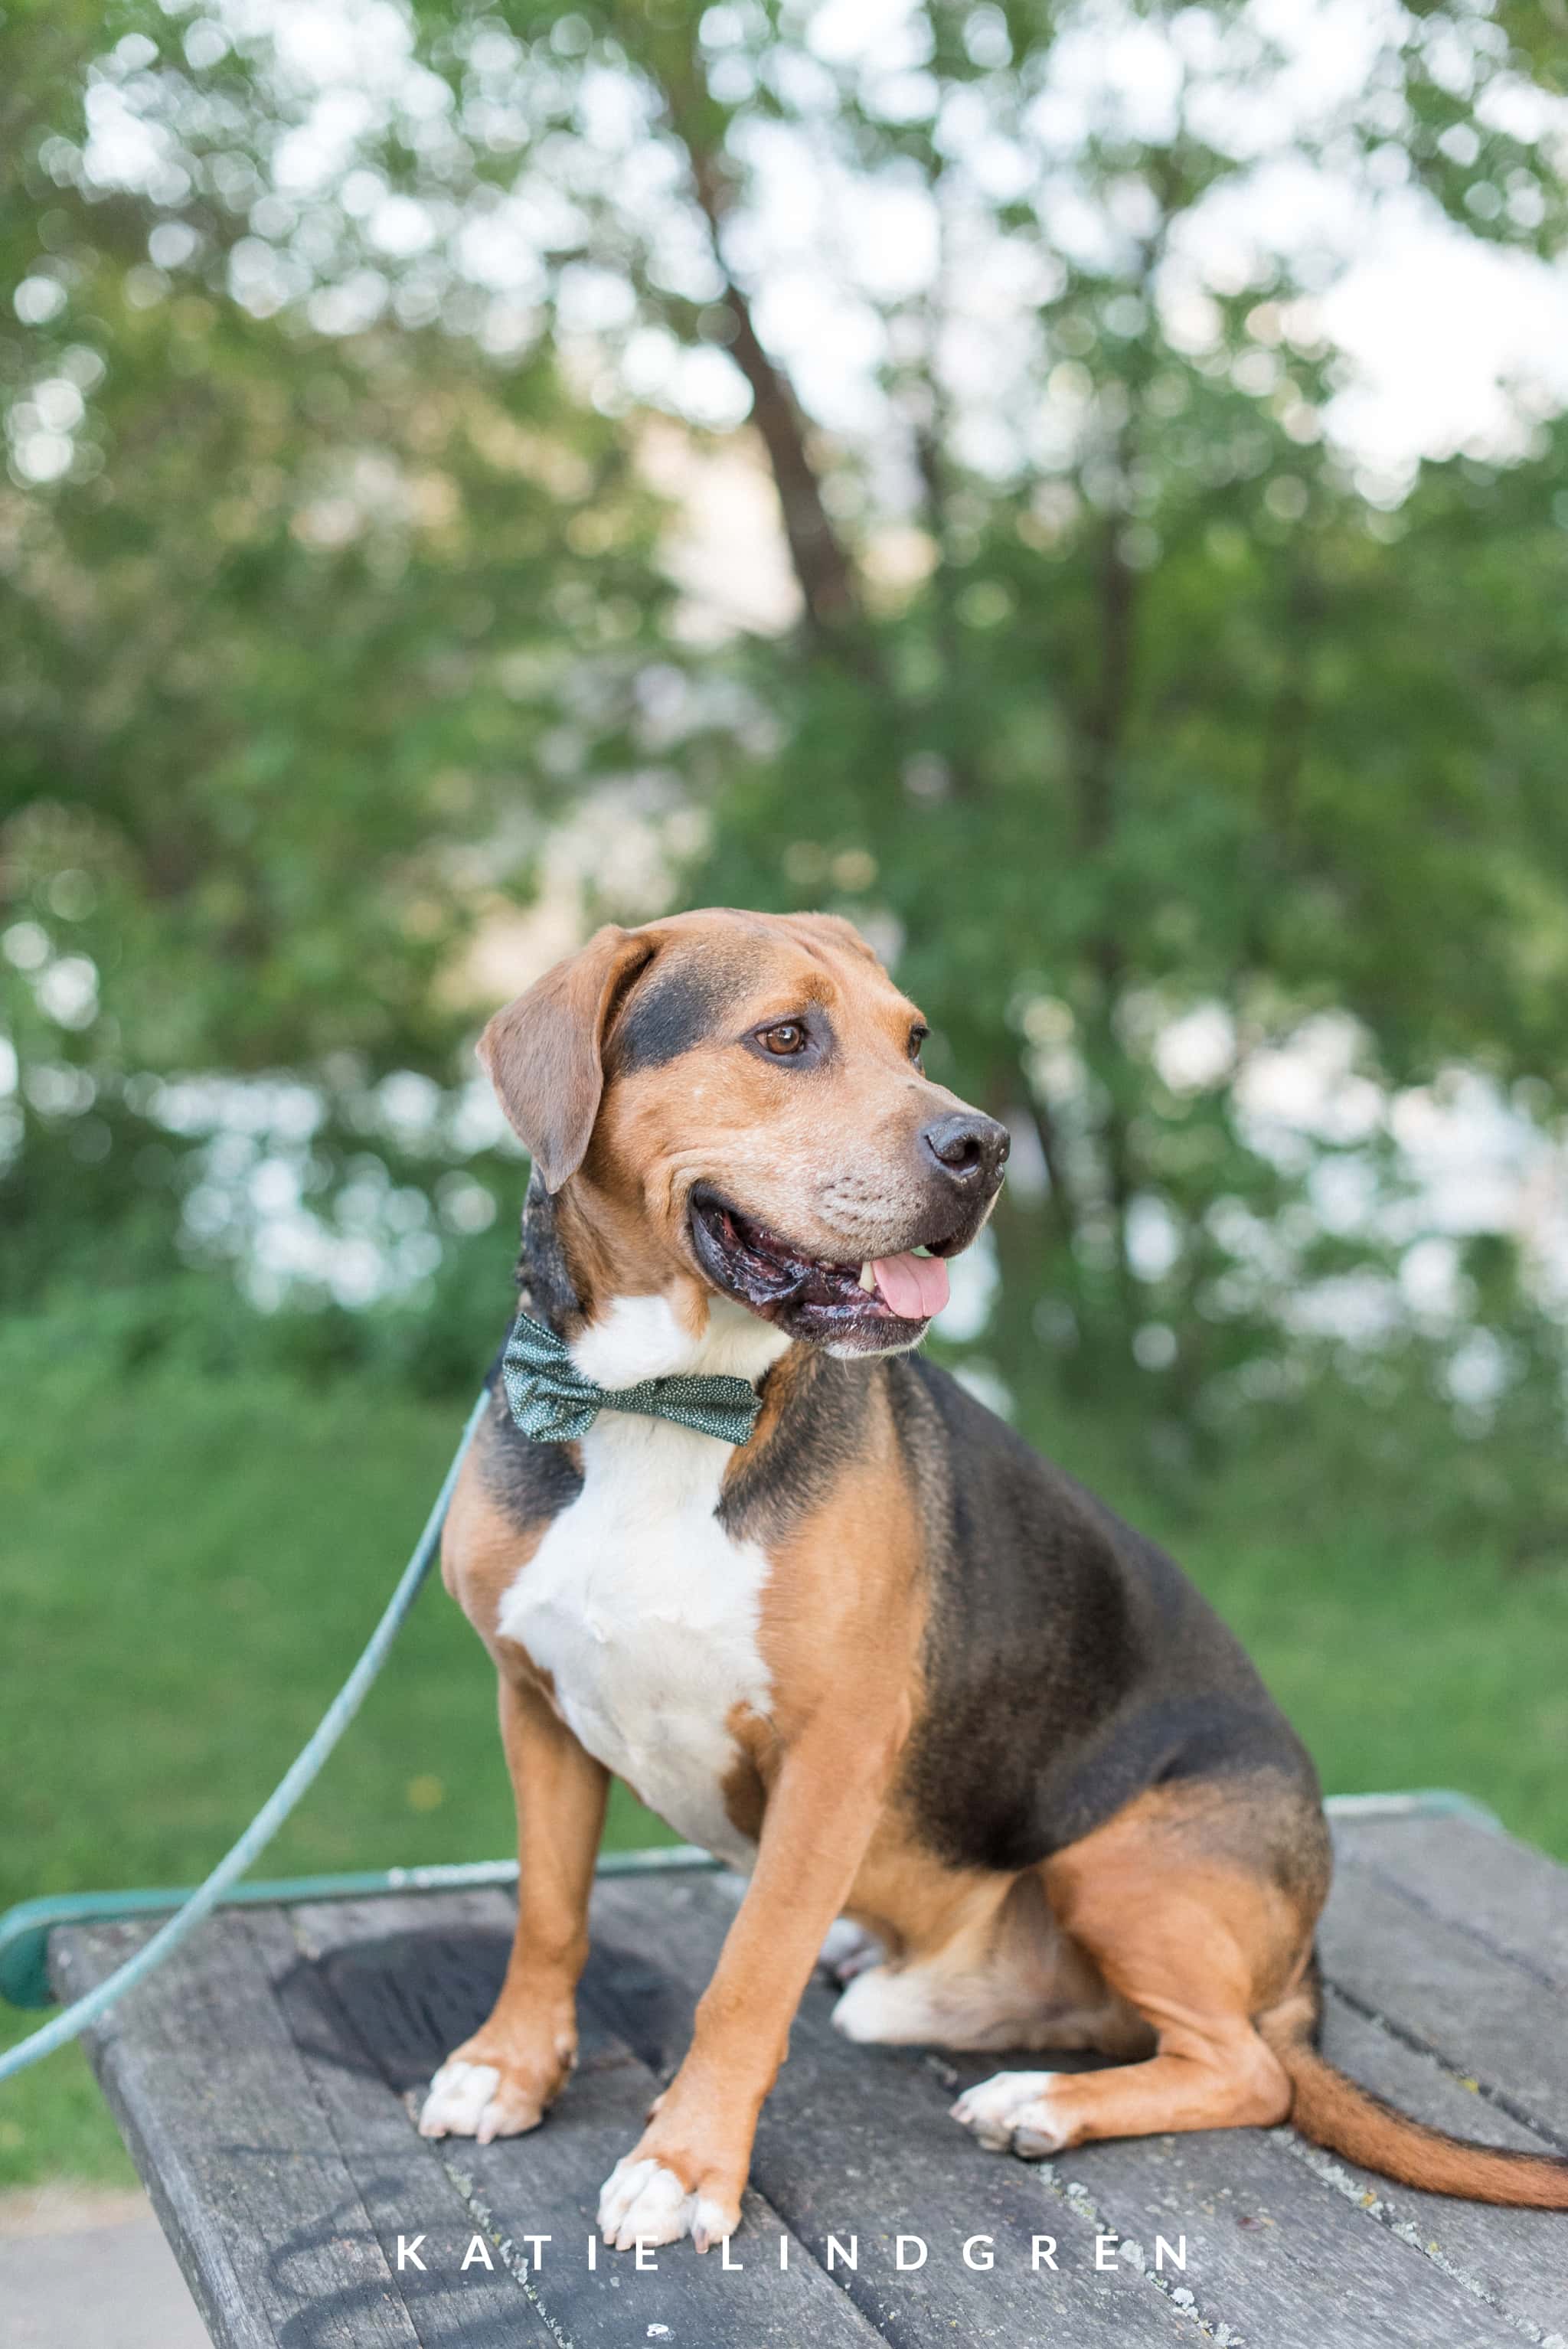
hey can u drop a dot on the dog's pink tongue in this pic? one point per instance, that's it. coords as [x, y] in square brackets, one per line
[914, 1287]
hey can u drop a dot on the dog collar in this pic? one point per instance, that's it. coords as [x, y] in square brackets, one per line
[553, 1403]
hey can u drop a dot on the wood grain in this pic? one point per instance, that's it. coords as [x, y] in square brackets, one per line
[857, 2141]
[1490, 1884]
[1484, 2015]
[1275, 2248]
[267, 2082]
[408, 1987]
[214, 2103]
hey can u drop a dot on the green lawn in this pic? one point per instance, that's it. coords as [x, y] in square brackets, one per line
[188, 1567]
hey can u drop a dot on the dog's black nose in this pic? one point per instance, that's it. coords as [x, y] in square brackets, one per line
[970, 1150]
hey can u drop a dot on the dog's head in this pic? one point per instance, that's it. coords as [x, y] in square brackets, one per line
[737, 1098]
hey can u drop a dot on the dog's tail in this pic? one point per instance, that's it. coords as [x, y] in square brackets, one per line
[1334, 2111]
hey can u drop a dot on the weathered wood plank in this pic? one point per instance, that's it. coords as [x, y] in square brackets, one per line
[857, 2142]
[410, 1987]
[224, 2125]
[266, 2081]
[1516, 2259]
[1485, 1882]
[400, 2175]
[1274, 2251]
[1478, 2011]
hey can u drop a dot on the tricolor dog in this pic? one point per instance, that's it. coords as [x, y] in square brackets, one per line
[879, 1655]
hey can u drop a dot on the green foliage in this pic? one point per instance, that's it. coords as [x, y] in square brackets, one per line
[1123, 695]
[309, 634]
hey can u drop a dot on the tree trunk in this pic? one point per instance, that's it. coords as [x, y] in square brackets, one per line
[822, 566]
[1102, 733]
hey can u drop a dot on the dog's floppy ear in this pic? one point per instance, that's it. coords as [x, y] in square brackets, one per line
[543, 1053]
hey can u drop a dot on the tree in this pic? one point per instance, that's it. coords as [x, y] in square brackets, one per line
[1160, 734]
[1175, 714]
[310, 628]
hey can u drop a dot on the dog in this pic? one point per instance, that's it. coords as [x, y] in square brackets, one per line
[879, 1656]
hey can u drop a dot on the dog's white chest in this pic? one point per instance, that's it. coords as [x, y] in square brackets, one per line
[646, 1614]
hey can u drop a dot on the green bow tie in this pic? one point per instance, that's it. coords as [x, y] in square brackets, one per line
[553, 1403]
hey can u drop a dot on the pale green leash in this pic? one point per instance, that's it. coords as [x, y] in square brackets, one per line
[83, 2012]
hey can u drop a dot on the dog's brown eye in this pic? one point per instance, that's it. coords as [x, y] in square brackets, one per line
[917, 1036]
[787, 1038]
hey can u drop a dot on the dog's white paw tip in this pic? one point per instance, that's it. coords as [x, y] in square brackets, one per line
[877, 2003]
[849, 1950]
[1013, 2111]
[619, 2190]
[643, 2202]
[460, 2103]
[713, 2224]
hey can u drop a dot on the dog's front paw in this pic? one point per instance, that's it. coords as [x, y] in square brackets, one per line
[1011, 2111]
[645, 2201]
[482, 2092]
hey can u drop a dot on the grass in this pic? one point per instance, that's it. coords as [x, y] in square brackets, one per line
[187, 1566]
[187, 1570]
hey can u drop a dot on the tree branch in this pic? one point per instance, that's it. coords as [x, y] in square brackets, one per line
[1103, 726]
[1064, 1205]
[1105, 718]
[823, 567]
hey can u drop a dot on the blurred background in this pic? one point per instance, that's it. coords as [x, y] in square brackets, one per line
[1080, 489]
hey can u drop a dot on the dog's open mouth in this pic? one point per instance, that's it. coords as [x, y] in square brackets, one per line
[885, 1302]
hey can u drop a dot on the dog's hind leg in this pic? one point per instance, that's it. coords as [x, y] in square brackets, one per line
[1002, 1976]
[1196, 1936]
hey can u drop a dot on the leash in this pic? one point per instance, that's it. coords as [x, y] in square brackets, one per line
[296, 1779]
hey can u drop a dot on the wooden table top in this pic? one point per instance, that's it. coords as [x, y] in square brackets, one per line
[266, 2082]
